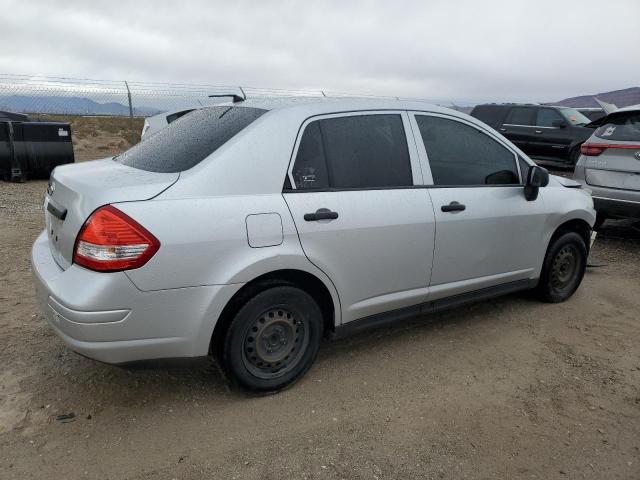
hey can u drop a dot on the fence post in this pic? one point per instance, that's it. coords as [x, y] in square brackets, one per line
[133, 140]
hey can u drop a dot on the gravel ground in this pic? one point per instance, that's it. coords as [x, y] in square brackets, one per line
[507, 388]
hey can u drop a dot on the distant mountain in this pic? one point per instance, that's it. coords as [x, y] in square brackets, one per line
[68, 106]
[620, 98]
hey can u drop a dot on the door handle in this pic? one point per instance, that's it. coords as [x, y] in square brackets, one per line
[321, 214]
[503, 129]
[538, 131]
[453, 207]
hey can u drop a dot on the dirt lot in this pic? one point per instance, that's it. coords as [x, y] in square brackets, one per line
[98, 137]
[509, 388]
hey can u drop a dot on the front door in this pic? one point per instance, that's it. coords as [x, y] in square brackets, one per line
[487, 233]
[361, 214]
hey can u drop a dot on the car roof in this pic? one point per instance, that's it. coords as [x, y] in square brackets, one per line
[324, 105]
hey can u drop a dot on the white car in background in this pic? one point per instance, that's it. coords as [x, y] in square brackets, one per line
[610, 165]
[158, 122]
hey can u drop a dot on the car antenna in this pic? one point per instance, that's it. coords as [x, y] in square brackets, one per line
[234, 96]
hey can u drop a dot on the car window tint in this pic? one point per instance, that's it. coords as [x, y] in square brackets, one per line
[546, 117]
[4, 131]
[310, 168]
[190, 139]
[366, 151]
[463, 155]
[620, 126]
[521, 116]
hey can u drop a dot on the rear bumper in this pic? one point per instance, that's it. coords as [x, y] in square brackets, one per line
[105, 317]
[617, 207]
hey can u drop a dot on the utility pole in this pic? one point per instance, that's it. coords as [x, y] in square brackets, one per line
[133, 139]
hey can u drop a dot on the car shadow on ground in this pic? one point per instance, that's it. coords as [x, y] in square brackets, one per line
[158, 382]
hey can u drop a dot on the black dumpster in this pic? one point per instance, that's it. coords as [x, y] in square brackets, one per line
[33, 149]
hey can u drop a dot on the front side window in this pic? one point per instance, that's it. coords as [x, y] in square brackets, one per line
[574, 117]
[359, 151]
[460, 154]
[521, 116]
[546, 117]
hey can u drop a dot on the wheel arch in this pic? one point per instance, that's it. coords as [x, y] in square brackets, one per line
[322, 293]
[578, 225]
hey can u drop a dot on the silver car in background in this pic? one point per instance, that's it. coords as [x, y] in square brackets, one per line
[250, 230]
[609, 165]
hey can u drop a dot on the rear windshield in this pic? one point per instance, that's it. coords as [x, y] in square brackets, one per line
[189, 140]
[574, 116]
[622, 126]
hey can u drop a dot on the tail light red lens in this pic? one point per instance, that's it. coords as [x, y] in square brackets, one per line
[595, 149]
[111, 241]
[591, 149]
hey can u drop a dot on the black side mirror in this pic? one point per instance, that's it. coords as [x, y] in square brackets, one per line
[559, 123]
[537, 177]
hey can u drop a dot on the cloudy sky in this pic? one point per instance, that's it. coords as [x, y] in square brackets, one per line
[461, 51]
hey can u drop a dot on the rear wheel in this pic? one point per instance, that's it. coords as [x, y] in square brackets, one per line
[563, 268]
[273, 339]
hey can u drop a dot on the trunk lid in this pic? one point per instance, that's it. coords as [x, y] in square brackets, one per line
[76, 190]
[615, 168]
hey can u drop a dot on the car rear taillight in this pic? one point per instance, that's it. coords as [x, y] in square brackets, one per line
[111, 241]
[595, 149]
[592, 149]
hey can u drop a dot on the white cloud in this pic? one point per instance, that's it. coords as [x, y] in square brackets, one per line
[453, 50]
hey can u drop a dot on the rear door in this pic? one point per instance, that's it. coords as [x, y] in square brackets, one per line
[362, 213]
[518, 127]
[487, 233]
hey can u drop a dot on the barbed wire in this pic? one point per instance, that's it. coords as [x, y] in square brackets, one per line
[37, 94]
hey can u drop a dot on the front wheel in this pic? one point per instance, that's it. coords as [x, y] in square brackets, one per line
[273, 339]
[563, 268]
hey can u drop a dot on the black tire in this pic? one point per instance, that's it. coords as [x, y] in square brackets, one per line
[273, 340]
[600, 219]
[563, 268]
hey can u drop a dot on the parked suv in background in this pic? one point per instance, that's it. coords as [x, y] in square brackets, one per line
[250, 230]
[610, 165]
[543, 132]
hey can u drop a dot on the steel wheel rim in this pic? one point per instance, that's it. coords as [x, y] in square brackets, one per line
[564, 268]
[274, 343]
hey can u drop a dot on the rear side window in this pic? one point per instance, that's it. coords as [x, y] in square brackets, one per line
[546, 117]
[489, 114]
[621, 126]
[521, 116]
[190, 139]
[361, 151]
[463, 155]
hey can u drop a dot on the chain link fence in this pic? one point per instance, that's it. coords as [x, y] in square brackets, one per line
[107, 115]
[76, 96]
